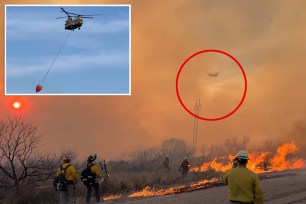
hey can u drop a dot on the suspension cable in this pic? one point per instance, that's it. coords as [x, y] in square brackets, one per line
[42, 81]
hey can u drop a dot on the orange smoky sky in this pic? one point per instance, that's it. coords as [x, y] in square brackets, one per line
[266, 37]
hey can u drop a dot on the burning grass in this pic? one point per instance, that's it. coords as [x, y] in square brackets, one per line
[149, 191]
[260, 162]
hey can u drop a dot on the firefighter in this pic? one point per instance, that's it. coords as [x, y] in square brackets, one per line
[244, 186]
[234, 165]
[97, 175]
[166, 163]
[184, 166]
[67, 195]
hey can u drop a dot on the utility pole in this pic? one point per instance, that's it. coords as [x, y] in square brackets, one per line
[197, 109]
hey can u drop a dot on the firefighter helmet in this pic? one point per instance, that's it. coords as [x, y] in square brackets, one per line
[91, 158]
[242, 155]
[66, 159]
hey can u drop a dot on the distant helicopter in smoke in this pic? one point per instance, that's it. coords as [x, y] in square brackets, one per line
[213, 74]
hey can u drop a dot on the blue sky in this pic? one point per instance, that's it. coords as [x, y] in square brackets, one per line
[95, 59]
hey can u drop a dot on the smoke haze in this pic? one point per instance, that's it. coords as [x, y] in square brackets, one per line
[267, 38]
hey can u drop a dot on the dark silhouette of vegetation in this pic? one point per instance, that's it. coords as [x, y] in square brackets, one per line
[20, 161]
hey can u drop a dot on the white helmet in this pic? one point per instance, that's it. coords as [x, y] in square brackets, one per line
[66, 159]
[242, 155]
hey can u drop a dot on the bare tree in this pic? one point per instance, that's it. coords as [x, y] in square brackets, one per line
[41, 168]
[216, 150]
[20, 161]
[70, 153]
[232, 145]
[204, 151]
[144, 154]
[177, 149]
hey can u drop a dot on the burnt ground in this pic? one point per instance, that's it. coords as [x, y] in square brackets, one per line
[279, 187]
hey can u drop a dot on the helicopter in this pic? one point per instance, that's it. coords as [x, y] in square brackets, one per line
[75, 21]
[213, 74]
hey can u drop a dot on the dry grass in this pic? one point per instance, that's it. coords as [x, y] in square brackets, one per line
[143, 168]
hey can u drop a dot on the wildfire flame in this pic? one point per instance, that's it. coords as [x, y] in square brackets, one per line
[148, 191]
[260, 162]
[112, 197]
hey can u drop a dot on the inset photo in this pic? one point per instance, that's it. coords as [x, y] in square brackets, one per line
[67, 50]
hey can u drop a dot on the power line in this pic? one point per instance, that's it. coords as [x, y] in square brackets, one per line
[197, 109]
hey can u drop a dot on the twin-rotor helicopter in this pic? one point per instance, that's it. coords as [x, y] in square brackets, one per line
[213, 74]
[75, 21]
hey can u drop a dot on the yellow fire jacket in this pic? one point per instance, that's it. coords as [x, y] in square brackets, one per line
[243, 185]
[95, 169]
[71, 174]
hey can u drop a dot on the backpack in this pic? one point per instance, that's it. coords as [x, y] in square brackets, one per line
[60, 181]
[87, 176]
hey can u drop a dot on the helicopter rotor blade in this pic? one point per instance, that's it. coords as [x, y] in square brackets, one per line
[69, 14]
[93, 15]
[63, 10]
[84, 14]
[61, 17]
[73, 14]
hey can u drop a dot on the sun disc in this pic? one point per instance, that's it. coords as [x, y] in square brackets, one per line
[16, 105]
